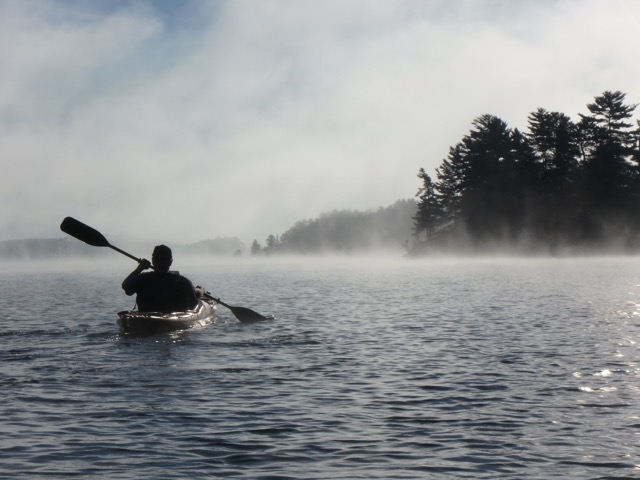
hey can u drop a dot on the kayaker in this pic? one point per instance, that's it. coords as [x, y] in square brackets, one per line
[160, 290]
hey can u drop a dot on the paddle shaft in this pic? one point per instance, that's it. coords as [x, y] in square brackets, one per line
[126, 254]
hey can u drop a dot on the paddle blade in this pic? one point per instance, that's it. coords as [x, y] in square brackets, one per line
[246, 314]
[241, 313]
[83, 232]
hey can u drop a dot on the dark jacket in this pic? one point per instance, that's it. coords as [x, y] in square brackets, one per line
[162, 292]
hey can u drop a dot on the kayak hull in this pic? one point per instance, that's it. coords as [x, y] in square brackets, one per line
[131, 321]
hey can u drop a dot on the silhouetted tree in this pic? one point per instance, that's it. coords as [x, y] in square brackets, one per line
[429, 211]
[450, 186]
[488, 174]
[609, 164]
[272, 244]
[554, 139]
[256, 249]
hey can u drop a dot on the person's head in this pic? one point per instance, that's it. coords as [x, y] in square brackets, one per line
[161, 258]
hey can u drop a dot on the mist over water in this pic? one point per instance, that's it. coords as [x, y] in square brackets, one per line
[387, 368]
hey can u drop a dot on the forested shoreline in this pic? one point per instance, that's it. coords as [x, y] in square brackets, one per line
[345, 232]
[560, 187]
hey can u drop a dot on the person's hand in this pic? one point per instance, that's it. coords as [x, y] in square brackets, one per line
[144, 264]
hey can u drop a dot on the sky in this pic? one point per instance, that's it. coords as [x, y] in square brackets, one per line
[187, 120]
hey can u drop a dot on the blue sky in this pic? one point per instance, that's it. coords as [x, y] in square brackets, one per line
[185, 120]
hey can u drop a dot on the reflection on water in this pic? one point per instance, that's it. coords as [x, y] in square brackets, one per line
[405, 369]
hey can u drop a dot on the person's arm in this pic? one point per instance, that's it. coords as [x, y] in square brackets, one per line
[190, 294]
[129, 283]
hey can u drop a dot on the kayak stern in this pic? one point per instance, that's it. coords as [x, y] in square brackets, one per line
[132, 321]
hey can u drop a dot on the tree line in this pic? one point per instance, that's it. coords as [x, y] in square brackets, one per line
[67, 247]
[559, 186]
[345, 232]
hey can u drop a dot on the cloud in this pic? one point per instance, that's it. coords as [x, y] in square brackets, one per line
[241, 118]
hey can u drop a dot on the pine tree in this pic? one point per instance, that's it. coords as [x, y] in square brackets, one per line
[610, 164]
[256, 249]
[272, 244]
[429, 211]
[553, 136]
[486, 163]
[554, 139]
[449, 187]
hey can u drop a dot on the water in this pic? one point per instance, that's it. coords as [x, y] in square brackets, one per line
[395, 370]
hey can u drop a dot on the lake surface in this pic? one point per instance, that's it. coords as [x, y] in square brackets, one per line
[398, 369]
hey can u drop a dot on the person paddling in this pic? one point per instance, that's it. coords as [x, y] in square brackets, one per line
[160, 290]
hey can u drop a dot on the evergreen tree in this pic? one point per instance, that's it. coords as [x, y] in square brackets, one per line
[487, 178]
[450, 186]
[610, 163]
[554, 139]
[429, 211]
[256, 249]
[272, 244]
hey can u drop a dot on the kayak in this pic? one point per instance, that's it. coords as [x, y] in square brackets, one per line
[133, 321]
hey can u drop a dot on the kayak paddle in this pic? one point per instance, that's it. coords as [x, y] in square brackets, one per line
[92, 237]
